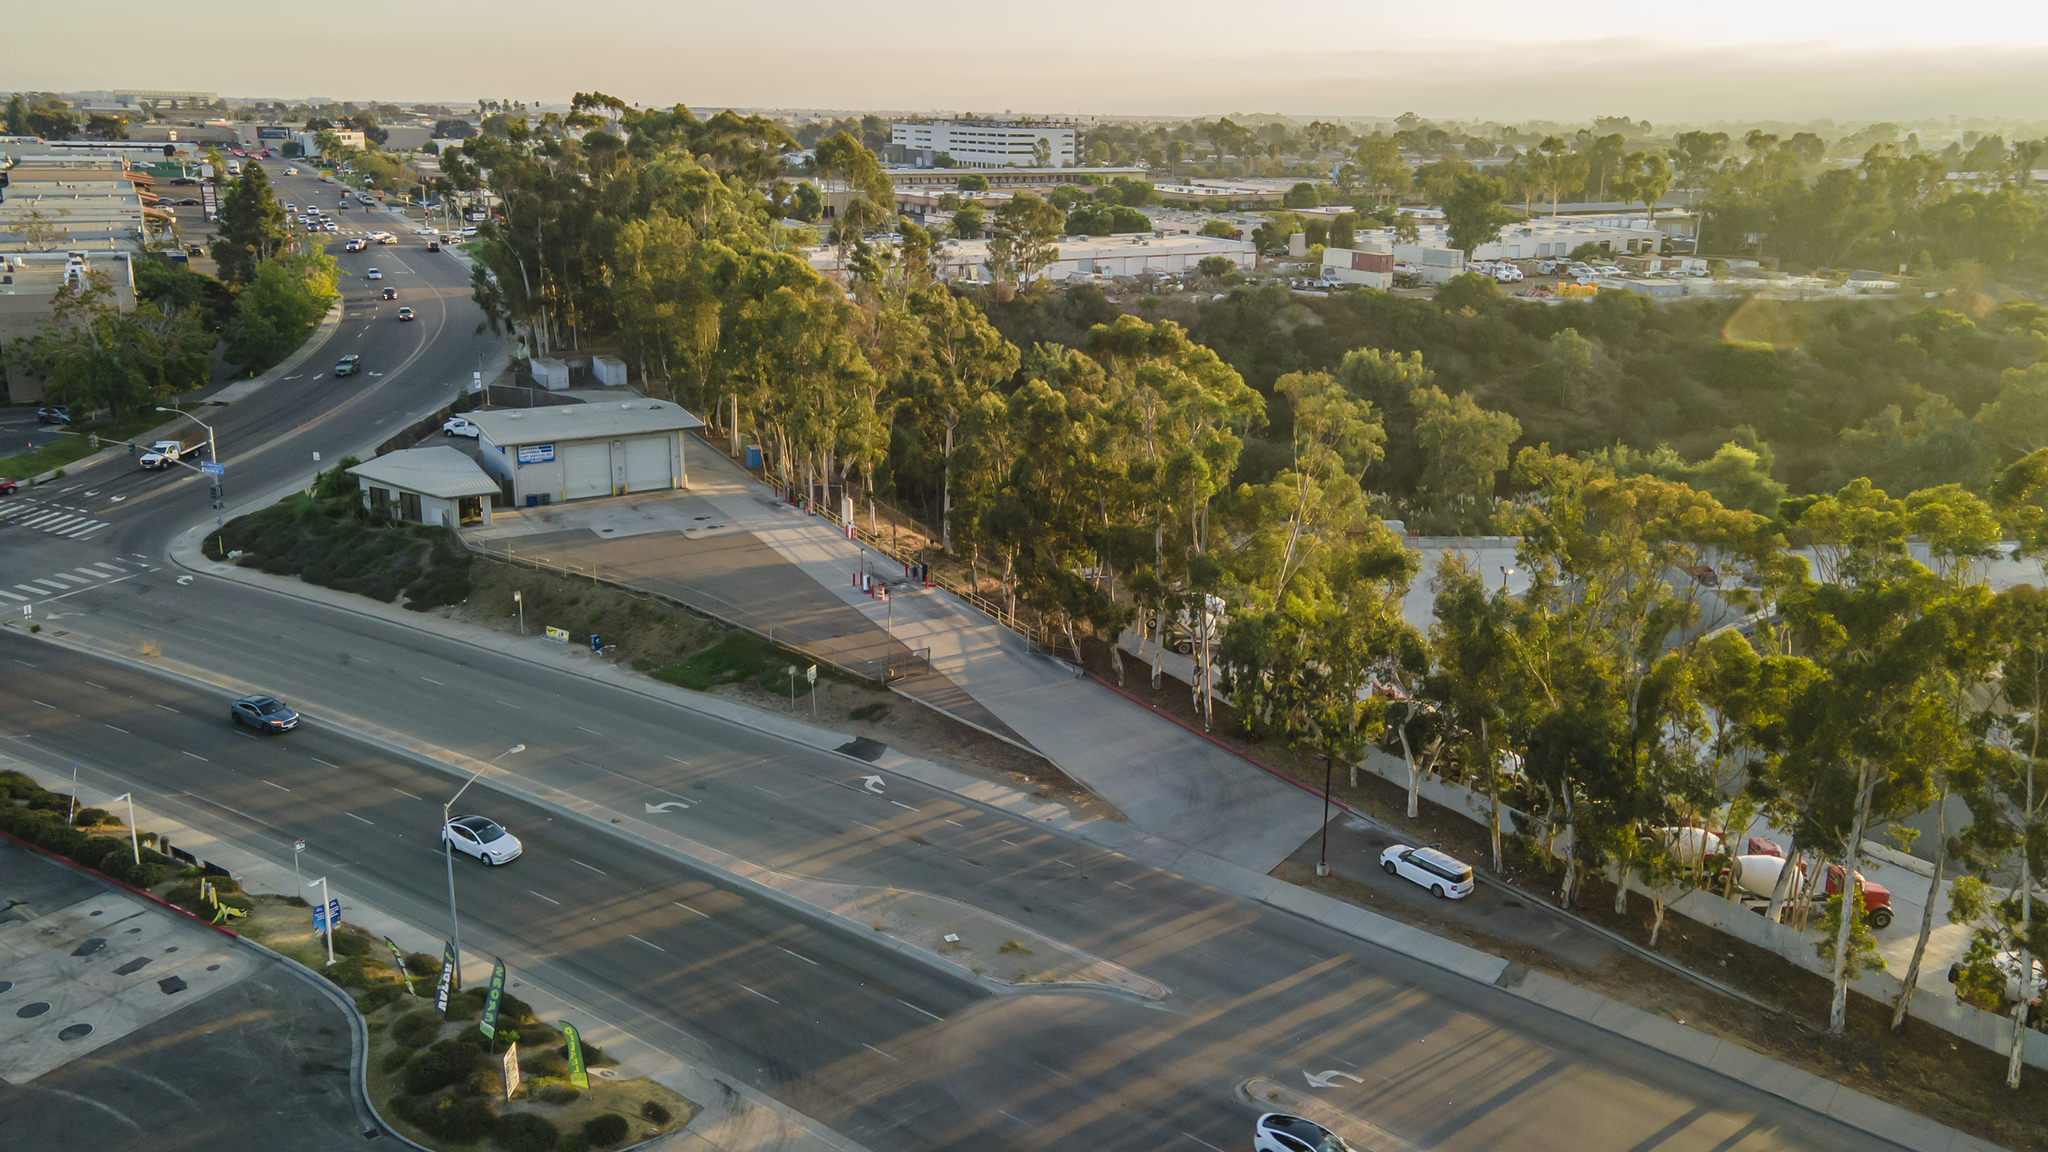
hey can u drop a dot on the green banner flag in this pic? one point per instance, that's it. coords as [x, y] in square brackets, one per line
[451, 966]
[444, 985]
[573, 1044]
[489, 1024]
[398, 962]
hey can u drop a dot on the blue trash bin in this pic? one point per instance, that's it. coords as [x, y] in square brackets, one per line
[753, 455]
[532, 500]
[596, 642]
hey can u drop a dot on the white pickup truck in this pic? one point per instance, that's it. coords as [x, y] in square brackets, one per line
[165, 453]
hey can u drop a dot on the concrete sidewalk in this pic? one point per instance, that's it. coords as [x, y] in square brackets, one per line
[1168, 782]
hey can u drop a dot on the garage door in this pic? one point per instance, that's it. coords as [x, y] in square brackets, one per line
[587, 470]
[647, 464]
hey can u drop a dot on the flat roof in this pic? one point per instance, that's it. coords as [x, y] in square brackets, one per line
[559, 422]
[440, 471]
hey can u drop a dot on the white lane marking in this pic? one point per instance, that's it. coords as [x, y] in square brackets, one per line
[766, 790]
[317, 760]
[886, 1056]
[279, 787]
[1121, 884]
[47, 587]
[33, 589]
[1026, 1123]
[901, 804]
[1013, 845]
[549, 899]
[805, 959]
[400, 791]
[956, 824]
[762, 995]
[196, 756]
[592, 731]
[915, 1008]
[168, 708]
[679, 760]
[1202, 1142]
[649, 943]
[101, 687]
[83, 531]
[431, 680]
[687, 908]
[91, 573]
[12, 596]
[353, 816]
[110, 569]
[599, 871]
[1064, 862]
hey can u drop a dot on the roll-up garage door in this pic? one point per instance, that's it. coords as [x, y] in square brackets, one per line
[647, 464]
[587, 470]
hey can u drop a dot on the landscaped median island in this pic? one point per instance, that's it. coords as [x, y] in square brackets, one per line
[441, 1082]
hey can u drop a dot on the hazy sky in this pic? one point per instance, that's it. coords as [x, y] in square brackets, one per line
[1481, 58]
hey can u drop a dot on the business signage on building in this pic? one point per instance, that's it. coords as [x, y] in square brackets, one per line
[558, 635]
[267, 132]
[536, 453]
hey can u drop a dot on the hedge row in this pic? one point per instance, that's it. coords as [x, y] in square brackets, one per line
[111, 856]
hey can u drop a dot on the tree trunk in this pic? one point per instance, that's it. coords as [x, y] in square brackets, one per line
[1852, 900]
[1627, 872]
[1912, 980]
[1784, 884]
[1658, 925]
[2019, 1012]
[946, 497]
[1414, 777]
[1158, 645]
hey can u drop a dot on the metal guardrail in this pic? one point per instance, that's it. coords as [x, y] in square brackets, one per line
[892, 660]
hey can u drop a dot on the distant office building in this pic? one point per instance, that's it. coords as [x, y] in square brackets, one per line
[983, 143]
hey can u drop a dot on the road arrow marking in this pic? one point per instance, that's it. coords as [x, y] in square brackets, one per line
[184, 580]
[670, 805]
[874, 784]
[1329, 1079]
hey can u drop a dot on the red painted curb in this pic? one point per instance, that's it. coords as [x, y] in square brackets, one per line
[106, 879]
[1266, 768]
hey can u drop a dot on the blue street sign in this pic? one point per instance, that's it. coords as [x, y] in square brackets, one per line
[212, 468]
[322, 915]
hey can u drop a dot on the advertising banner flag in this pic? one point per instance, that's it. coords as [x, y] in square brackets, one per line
[451, 965]
[511, 1069]
[573, 1044]
[489, 1024]
[442, 988]
[398, 962]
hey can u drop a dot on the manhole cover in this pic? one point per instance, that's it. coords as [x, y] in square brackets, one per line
[96, 913]
[6, 985]
[75, 1032]
[31, 1011]
[213, 967]
[171, 985]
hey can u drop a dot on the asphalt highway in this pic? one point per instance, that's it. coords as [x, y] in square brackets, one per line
[865, 1040]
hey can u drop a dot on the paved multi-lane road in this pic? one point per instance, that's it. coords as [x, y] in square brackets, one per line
[890, 1052]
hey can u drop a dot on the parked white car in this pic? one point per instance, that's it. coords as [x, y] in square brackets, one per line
[457, 426]
[1446, 877]
[1546, 267]
[1507, 273]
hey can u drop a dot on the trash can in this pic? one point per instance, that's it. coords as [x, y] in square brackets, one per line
[532, 500]
[596, 642]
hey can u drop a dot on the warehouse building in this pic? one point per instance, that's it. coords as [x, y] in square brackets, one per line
[577, 451]
[427, 486]
[983, 143]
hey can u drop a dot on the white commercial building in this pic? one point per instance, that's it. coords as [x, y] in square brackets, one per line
[1370, 264]
[985, 143]
[436, 485]
[576, 451]
[1082, 257]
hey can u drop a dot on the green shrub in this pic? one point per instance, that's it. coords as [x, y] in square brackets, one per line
[453, 1120]
[394, 1060]
[380, 996]
[93, 818]
[513, 1010]
[421, 964]
[116, 866]
[525, 1132]
[554, 1092]
[61, 840]
[446, 1062]
[739, 656]
[606, 1130]
[573, 1142]
[544, 1064]
[348, 943]
[467, 1004]
[652, 1112]
[593, 1056]
[416, 1027]
[145, 874]
[346, 971]
[93, 849]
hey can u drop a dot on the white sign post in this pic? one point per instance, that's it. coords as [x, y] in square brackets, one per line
[812, 676]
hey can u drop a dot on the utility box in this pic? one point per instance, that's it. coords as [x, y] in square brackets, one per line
[549, 373]
[609, 370]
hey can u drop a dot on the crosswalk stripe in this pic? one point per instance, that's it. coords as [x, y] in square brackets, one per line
[90, 572]
[41, 520]
[113, 569]
[32, 589]
[82, 530]
[10, 595]
[60, 522]
[47, 586]
[65, 580]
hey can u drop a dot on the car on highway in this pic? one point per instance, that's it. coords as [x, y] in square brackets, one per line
[8, 487]
[291, 171]
[405, 313]
[291, 207]
[263, 713]
[483, 838]
[355, 245]
[390, 294]
[54, 414]
[348, 365]
[457, 426]
[433, 245]
[373, 274]
[426, 231]
[1446, 877]
[1279, 1132]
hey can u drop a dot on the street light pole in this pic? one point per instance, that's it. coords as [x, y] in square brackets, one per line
[1323, 865]
[448, 852]
[326, 914]
[213, 456]
[134, 845]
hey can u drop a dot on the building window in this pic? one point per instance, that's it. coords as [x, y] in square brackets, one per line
[409, 507]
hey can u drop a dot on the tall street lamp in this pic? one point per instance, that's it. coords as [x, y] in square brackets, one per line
[448, 850]
[212, 456]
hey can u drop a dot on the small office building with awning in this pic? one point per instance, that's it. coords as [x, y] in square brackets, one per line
[427, 486]
[577, 451]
